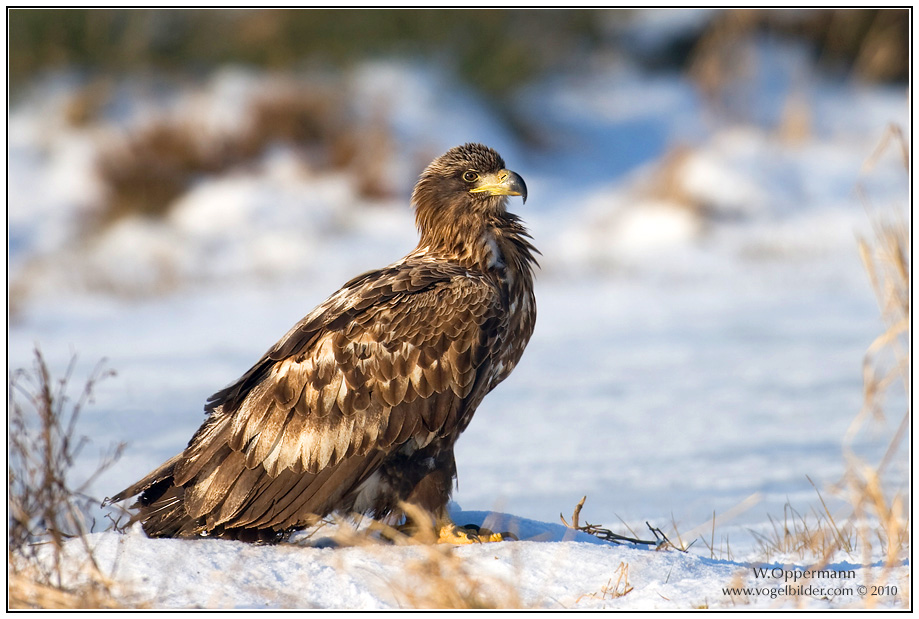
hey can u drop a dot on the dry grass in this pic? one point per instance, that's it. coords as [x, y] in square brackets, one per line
[442, 579]
[880, 511]
[46, 508]
[880, 508]
[876, 521]
[811, 537]
[28, 590]
[613, 590]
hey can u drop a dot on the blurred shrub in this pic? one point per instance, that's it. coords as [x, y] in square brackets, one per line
[153, 167]
[155, 164]
[865, 44]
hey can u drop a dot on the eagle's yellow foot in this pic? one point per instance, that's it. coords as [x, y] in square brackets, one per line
[470, 534]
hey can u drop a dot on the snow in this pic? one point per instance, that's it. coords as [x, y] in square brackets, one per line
[559, 571]
[698, 351]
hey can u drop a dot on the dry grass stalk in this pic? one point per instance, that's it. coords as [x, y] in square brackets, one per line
[736, 590]
[442, 579]
[881, 514]
[811, 540]
[27, 591]
[698, 533]
[45, 508]
[613, 590]
[887, 360]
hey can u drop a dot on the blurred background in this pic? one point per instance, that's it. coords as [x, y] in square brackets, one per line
[186, 184]
[130, 128]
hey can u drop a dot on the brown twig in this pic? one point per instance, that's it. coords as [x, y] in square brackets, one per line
[660, 541]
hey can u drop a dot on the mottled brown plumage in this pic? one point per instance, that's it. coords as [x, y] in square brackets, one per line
[357, 408]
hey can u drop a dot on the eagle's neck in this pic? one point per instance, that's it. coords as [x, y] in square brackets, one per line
[497, 243]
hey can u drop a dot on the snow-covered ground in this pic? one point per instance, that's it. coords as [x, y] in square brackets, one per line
[703, 317]
[557, 571]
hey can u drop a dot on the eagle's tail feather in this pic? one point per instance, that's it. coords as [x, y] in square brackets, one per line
[160, 504]
[145, 485]
[166, 517]
[270, 507]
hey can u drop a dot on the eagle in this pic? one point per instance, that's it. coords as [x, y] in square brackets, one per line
[357, 408]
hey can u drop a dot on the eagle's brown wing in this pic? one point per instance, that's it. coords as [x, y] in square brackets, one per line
[391, 357]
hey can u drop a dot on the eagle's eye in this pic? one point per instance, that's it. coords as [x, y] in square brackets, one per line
[470, 176]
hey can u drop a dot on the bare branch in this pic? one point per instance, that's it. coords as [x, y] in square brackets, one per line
[660, 541]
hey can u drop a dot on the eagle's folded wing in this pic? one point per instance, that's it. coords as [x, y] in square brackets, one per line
[400, 368]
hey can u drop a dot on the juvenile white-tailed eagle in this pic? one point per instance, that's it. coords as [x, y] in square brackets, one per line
[357, 408]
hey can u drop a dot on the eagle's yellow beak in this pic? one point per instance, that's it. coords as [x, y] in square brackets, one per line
[502, 183]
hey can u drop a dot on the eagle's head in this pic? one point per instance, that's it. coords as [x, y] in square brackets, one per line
[465, 184]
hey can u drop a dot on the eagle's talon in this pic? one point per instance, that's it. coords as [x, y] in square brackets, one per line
[452, 534]
[490, 536]
[472, 534]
